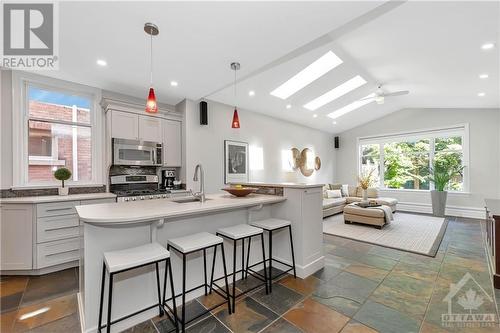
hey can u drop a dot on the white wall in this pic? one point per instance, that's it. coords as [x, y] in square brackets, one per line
[484, 148]
[5, 129]
[205, 145]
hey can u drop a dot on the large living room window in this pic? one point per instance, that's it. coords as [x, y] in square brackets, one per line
[58, 128]
[404, 160]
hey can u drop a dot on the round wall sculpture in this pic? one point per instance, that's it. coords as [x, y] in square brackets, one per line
[305, 161]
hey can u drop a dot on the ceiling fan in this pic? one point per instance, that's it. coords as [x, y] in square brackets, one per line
[379, 96]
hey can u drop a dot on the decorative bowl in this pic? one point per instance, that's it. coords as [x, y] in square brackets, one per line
[240, 191]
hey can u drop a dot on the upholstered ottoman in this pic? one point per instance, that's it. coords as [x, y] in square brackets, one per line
[371, 216]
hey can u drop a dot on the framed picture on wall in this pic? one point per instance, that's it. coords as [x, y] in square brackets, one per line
[235, 161]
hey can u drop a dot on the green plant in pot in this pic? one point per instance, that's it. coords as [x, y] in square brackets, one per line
[441, 174]
[62, 174]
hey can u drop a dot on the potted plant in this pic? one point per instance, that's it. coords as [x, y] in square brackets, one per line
[365, 180]
[62, 174]
[441, 174]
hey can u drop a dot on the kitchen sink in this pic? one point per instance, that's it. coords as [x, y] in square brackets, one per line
[187, 199]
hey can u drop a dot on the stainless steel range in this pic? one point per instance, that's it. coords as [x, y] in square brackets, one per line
[136, 187]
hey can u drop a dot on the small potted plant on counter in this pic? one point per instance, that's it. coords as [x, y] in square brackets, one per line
[62, 174]
[365, 180]
[441, 174]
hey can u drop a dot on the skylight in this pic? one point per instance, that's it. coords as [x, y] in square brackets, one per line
[309, 74]
[336, 92]
[351, 107]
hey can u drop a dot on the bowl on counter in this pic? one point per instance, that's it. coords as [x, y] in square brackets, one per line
[240, 191]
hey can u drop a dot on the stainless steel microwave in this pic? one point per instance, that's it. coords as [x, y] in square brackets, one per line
[135, 152]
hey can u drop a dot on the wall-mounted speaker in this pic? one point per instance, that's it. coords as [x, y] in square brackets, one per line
[336, 142]
[203, 113]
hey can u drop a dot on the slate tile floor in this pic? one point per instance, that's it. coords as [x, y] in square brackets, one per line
[363, 289]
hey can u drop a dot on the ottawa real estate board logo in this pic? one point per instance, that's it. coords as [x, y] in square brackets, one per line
[469, 305]
[29, 36]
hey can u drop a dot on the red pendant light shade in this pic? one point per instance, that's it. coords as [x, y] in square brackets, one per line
[236, 119]
[151, 106]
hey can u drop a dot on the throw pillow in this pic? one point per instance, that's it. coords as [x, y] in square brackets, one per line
[333, 194]
[345, 190]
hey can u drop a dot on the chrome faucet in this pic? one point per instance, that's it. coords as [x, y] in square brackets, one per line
[201, 194]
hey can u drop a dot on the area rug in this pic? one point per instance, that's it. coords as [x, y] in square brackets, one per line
[415, 233]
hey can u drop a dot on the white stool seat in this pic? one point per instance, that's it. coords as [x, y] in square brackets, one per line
[134, 257]
[271, 224]
[240, 231]
[195, 242]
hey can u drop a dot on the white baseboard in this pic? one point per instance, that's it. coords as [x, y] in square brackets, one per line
[303, 271]
[415, 207]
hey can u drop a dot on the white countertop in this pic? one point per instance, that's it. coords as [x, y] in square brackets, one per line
[148, 210]
[57, 198]
[285, 184]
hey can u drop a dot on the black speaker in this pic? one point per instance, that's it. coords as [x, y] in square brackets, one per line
[203, 113]
[336, 142]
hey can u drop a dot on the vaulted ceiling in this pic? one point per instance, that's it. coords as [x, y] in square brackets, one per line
[432, 49]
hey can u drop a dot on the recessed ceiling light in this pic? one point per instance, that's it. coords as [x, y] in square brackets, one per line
[488, 46]
[335, 93]
[289, 106]
[101, 62]
[312, 72]
[315, 116]
[174, 83]
[483, 76]
[351, 107]
[481, 94]
[251, 93]
[335, 123]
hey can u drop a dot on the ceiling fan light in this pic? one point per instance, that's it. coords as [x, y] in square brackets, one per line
[379, 99]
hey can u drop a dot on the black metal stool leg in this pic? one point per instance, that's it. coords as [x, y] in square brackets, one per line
[234, 273]
[225, 279]
[160, 305]
[248, 256]
[213, 268]
[172, 291]
[102, 297]
[183, 320]
[243, 258]
[270, 261]
[110, 297]
[264, 261]
[165, 283]
[293, 254]
[205, 269]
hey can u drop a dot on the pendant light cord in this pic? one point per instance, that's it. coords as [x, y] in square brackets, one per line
[234, 88]
[151, 59]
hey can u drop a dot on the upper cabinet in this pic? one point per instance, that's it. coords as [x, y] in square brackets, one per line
[172, 143]
[150, 129]
[124, 125]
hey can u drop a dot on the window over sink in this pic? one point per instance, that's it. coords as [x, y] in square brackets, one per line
[60, 126]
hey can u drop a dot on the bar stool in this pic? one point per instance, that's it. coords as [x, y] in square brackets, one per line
[271, 225]
[116, 262]
[194, 243]
[242, 232]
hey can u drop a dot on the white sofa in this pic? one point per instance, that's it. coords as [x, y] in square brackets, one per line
[333, 206]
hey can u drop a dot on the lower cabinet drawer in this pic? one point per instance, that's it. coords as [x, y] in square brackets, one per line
[56, 208]
[56, 227]
[57, 252]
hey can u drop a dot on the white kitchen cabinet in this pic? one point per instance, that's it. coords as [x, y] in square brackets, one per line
[172, 143]
[16, 229]
[124, 125]
[150, 129]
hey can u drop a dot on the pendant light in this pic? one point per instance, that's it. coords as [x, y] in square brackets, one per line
[236, 120]
[151, 105]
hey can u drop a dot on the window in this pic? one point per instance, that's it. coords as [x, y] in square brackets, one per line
[404, 161]
[60, 129]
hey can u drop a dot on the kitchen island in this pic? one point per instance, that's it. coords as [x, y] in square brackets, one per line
[116, 226]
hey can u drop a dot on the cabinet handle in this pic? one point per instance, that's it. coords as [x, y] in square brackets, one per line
[54, 254]
[57, 209]
[51, 229]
